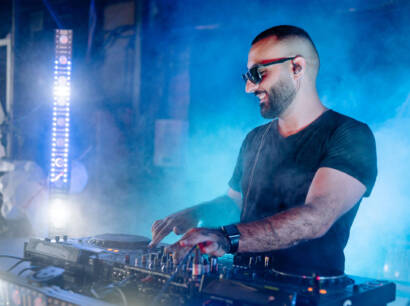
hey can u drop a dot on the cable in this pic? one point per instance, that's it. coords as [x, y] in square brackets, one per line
[16, 264]
[165, 287]
[25, 269]
[102, 292]
[124, 299]
[14, 257]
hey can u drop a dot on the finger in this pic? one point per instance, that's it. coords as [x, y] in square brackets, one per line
[194, 237]
[211, 248]
[171, 248]
[178, 252]
[163, 230]
[214, 249]
[161, 224]
[155, 225]
[208, 247]
[178, 230]
[203, 245]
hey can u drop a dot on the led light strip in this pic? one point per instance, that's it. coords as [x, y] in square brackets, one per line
[59, 168]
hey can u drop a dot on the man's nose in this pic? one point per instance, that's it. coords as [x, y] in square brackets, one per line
[250, 87]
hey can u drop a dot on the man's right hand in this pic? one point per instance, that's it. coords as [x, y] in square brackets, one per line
[179, 223]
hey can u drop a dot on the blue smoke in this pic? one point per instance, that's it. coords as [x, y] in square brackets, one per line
[363, 48]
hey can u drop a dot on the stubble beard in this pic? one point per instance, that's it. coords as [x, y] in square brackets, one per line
[280, 96]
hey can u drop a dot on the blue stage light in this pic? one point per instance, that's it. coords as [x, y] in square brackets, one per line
[59, 165]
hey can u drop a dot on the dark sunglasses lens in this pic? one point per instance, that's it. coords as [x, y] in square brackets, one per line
[252, 75]
[255, 75]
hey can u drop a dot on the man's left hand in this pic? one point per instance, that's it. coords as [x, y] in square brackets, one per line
[210, 241]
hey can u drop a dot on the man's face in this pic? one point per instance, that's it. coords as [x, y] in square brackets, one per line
[276, 91]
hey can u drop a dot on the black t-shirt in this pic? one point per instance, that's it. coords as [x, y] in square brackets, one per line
[283, 171]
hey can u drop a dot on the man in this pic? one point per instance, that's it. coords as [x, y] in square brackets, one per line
[298, 180]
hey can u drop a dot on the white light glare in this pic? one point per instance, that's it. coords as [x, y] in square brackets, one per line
[59, 213]
[386, 268]
[61, 91]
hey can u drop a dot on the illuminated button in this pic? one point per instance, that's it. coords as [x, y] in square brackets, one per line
[322, 291]
[39, 302]
[63, 59]
[59, 162]
[63, 39]
[116, 251]
[16, 298]
[310, 289]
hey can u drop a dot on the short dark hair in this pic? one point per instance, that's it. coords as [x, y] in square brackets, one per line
[284, 31]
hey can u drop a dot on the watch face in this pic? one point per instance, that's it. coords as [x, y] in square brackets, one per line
[231, 230]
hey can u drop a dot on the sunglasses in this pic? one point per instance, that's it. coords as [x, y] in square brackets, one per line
[254, 74]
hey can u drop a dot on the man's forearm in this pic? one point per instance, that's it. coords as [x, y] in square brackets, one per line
[284, 229]
[217, 212]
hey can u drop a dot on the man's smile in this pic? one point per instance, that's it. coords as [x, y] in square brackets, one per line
[262, 96]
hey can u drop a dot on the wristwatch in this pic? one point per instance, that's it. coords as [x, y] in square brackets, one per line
[231, 232]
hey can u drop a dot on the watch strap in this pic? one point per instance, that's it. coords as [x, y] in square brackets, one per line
[232, 233]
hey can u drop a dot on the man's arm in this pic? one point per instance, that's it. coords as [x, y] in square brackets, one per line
[331, 194]
[207, 212]
[236, 196]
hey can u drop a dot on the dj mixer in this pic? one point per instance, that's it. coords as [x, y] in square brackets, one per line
[120, 269]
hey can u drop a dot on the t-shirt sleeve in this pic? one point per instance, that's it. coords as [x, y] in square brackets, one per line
[352, 149]
[235, 181]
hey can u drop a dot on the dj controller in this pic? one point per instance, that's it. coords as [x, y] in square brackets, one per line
[117, 269]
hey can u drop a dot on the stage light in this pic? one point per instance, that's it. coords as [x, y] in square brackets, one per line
[386, 268]
[59, 180]
[61, 110]
[59, 213]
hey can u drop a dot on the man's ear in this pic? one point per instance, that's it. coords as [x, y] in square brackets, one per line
[298, 67]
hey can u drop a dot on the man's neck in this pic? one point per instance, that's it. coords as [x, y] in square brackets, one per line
[300, 114]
